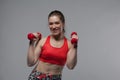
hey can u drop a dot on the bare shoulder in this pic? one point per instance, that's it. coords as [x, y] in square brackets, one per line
[42, 41]
[69, 43]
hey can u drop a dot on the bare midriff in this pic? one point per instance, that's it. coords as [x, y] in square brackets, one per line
[48, 68]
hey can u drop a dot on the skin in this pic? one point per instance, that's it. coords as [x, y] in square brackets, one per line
[57, 39]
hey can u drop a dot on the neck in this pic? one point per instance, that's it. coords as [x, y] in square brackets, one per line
[58, 37]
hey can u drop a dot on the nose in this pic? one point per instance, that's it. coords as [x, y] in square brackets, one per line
[54, 26]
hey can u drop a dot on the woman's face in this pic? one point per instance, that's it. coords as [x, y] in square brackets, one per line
[55, 25]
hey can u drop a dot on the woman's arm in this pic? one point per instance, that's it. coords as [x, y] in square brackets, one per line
[33, 53]
[71, 56]
[72, 53]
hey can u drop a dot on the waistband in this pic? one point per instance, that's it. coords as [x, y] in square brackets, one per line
[37, 75]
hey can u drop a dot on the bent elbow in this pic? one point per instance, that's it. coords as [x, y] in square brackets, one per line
[70, 67]
[29, 65]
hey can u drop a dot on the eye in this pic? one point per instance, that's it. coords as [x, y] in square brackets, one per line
[50, 23]
[57, 22]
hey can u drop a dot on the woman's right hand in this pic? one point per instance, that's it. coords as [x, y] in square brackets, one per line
[34, 37]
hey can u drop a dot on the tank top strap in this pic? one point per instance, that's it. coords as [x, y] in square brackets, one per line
[47, 40]
[65, 42]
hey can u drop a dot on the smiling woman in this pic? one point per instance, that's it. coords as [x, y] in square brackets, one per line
[56, 22]
[53, 52]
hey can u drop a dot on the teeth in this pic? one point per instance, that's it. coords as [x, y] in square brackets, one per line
[54, 28]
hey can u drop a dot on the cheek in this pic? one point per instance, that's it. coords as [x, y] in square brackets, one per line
[50, 27]
[61, 28]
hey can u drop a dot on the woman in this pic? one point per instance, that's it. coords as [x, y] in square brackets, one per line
[52, 52]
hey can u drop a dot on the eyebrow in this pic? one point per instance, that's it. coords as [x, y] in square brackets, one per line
[57, 22]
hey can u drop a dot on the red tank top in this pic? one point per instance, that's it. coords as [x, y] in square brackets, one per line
[52, 54]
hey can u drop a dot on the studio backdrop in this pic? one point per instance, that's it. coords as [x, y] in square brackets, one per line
[97, 23]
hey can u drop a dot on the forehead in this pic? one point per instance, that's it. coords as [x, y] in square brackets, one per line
[54, 18]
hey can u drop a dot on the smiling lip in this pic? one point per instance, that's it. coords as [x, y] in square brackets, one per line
[55, 30]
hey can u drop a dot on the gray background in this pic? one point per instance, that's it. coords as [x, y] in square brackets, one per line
[96, 21]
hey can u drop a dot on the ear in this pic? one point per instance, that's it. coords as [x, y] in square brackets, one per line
[63, 27]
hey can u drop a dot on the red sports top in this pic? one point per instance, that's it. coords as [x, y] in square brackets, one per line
[52, 54]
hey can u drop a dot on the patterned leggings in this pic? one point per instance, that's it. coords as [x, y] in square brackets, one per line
[36, 75]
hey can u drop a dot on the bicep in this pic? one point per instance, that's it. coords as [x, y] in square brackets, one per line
[37, 50]
[71, 57]
[69, 52]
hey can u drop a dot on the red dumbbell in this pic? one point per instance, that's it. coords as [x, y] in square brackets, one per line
[73, 33]
[74, 40]
[31, 36]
